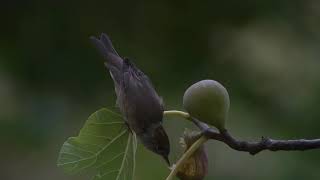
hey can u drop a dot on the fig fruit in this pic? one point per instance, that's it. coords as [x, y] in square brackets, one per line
[196, 166]
[208, 101]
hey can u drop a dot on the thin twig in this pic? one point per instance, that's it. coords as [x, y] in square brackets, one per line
[224, 136]
[251, 147]
[264, 144]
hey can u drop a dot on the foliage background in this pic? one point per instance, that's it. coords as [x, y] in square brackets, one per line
[265, 52]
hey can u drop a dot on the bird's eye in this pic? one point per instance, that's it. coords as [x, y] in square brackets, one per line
[156, 146]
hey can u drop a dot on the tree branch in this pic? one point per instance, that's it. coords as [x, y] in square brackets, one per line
[256, 147]
[251, 147]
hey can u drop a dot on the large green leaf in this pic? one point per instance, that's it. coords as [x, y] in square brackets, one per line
[105, 145]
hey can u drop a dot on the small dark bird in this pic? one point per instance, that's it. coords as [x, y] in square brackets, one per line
[137, 99]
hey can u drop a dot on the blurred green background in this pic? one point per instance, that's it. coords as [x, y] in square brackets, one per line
[266, 53]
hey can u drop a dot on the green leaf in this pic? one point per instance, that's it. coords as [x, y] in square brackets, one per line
[104, 145]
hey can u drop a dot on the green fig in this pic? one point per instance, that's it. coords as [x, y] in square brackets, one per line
[207, 101]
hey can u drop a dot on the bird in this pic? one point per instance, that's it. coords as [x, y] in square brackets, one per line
[138, 101]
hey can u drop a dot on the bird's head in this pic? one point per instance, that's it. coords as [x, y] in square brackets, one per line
[158, 142]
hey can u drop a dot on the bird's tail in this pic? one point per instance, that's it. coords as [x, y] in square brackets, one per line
[112, 59]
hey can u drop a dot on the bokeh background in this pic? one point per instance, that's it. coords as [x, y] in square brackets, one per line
[266, 53]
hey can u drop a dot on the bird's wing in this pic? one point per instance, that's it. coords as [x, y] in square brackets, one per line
[140, 98]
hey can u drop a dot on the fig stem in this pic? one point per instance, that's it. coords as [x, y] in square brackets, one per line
[186, 155]
[202, 126]
[177, 113]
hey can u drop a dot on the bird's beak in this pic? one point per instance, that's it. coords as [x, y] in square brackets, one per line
[166, 159]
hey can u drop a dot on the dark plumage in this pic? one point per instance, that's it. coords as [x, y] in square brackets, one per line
[138, 101]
